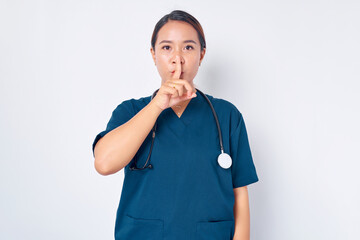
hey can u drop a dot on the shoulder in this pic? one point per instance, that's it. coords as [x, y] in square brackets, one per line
[224, 106]
[228, 114]
[133, 105]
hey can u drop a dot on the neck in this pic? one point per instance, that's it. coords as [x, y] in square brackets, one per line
[183, 103]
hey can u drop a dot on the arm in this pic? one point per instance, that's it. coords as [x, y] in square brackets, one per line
[241, 214]
[116, 149]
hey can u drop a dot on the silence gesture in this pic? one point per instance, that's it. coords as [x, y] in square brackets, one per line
[174, 90]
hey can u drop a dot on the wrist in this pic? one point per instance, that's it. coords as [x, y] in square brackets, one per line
[154, 108]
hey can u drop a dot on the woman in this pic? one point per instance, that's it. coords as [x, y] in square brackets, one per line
[175, 187]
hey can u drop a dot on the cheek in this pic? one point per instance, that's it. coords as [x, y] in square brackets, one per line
[162, 67]
[161, 61]
[195, 64]
[194, 59]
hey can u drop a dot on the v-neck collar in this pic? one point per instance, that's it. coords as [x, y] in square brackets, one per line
[188, 113]
[169, 119]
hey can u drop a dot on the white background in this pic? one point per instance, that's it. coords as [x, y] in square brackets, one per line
[291, 68]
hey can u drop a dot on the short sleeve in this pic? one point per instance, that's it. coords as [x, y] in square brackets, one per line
[243, 168]
[122, 113]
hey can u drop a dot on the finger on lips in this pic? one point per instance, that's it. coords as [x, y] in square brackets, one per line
[176, 79]
[177, 72]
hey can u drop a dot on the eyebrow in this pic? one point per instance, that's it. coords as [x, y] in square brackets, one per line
[186, 41]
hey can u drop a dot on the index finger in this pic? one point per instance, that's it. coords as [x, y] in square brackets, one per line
[177, 72]
[187, 85]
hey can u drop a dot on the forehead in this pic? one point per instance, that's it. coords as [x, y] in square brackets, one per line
[177, 31]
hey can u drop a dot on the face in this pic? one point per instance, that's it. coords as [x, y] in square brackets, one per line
[177, 38]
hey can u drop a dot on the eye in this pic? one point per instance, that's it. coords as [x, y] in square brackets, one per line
[189, 46]
[165, 47]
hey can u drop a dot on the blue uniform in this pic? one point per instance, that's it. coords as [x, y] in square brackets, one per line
[186, 195]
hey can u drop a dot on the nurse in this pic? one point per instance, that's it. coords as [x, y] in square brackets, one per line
[174, 187]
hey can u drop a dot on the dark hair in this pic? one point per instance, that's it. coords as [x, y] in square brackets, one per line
[179, 15]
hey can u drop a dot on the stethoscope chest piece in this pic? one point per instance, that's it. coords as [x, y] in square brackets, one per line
[224, 160]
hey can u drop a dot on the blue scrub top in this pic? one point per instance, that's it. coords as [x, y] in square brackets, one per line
[186, 195]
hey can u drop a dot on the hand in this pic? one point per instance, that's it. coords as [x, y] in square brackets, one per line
[174, 90]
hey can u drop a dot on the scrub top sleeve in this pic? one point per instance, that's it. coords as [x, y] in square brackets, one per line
[122, 113]
[243, 168]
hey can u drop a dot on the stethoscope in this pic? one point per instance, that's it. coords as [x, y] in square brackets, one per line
[224, 159]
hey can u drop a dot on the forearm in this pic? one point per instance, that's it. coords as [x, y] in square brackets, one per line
[241, 214]
[116, 149]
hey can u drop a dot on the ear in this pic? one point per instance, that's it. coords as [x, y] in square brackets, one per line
[153, 54]
[202, 54]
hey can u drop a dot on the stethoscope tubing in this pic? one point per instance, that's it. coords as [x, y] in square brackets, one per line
[134, 167]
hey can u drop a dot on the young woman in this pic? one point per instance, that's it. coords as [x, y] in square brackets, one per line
[176, 185]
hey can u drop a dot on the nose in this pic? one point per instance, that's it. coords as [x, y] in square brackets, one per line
[180, 57]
